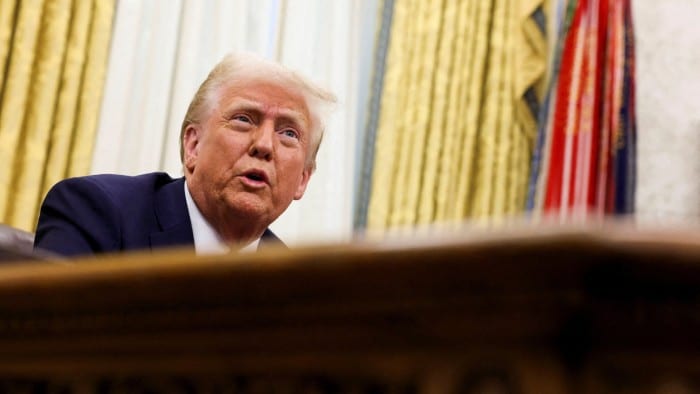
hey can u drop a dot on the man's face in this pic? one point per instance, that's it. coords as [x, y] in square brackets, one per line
[247, 157]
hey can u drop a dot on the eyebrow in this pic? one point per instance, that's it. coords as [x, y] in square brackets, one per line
[296, 117]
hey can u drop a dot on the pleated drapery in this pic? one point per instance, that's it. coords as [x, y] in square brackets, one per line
[52, 59]
[457, 112]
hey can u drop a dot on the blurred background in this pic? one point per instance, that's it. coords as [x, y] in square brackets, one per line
[473, 111]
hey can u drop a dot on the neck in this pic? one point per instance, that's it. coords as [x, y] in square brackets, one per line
[237, 236]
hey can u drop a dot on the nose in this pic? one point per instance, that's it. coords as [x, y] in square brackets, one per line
[261, 145]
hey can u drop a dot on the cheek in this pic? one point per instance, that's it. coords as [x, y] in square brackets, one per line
[291, 163]
[295, 181]
[229, 148]
[217, 162]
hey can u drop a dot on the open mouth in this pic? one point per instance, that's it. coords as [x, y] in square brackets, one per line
[256, 176]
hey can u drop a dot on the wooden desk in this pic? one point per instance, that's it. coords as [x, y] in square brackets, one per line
[585, 311]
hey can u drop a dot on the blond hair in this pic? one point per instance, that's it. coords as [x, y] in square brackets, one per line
[240, 66]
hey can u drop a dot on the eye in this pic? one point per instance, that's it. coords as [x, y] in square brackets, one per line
[242, 118]
[290, 133]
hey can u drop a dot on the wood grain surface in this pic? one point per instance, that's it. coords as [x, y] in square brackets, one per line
[525, 311]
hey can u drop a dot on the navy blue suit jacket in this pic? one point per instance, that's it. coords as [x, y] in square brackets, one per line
[110, 213]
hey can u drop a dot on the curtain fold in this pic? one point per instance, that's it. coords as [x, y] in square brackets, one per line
[7, 16]
[364, 180]
[93, 77]
[66, 114]
[462, 88]
[53, 53]
[35, 127]
[15, 94]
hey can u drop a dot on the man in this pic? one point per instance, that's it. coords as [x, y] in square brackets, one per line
[248, 147]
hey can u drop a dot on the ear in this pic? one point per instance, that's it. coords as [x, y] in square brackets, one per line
[190, 145]
[305, 176]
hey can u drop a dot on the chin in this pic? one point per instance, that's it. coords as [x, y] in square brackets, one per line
[248, 207]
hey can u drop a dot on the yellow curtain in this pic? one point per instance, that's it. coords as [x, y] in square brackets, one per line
[52, 58]
[458, 111]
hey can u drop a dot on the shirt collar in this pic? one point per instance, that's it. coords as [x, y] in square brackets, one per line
[206, 239]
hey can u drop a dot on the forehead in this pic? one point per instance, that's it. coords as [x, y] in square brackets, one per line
[266, 96]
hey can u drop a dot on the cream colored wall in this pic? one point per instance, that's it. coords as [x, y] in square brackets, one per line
[668, 110]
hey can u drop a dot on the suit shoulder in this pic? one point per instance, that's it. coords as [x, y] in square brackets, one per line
[117, 185]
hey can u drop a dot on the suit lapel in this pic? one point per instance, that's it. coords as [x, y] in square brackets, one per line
[173, 218]
[269, 239]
